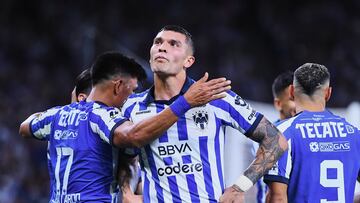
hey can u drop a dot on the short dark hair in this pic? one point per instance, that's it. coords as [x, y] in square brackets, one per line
[110, 64]
[310, 77]
[281, 82]
[83, 82]
[179, 29]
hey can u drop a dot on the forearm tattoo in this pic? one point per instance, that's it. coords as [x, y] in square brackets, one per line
[269, 150]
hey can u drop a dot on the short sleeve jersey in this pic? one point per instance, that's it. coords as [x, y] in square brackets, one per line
[322, 162]
[186, 164]
[82, 161]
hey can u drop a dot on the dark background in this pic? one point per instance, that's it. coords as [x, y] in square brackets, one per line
[45, 44]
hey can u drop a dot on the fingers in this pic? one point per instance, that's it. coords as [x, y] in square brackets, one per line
[218, 96]
[220, 87]
[204, 78]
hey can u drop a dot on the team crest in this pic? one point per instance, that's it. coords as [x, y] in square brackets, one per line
[201, 119]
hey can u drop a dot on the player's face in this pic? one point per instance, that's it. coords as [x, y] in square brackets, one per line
[286, 104]
[170, 54]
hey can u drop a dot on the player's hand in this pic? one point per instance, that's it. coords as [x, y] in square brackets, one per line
[232, 195]
[203, 91]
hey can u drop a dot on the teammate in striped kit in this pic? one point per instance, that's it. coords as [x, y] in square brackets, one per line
[285, 105]
[186, 163]
[81, 135]
[322, 162]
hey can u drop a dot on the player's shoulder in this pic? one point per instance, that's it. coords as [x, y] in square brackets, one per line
[231, 98]
[287, 124]
[52, 111]
[100, 109]
[137, 96]
[134, 98]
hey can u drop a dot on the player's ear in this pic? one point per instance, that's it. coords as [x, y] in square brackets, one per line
[277, 104]
[291, 90]
[117, 86]
[81, 97]
[189, 61]
[328, 93]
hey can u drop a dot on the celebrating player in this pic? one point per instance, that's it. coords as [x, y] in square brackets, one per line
[186, 163]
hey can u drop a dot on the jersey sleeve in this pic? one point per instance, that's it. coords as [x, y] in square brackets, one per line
[104, 121]
[237, 113]
[280, 172]
[41, 126]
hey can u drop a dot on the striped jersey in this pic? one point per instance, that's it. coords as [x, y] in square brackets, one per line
[322, 162]
[186, 163]
[80, 155]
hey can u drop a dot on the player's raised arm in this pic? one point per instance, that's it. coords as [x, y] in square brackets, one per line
[200, 93]
[24, 129]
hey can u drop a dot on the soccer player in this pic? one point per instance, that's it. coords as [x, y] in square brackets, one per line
[82, 134]
[186, 163]
[322, 162]
[285, 105]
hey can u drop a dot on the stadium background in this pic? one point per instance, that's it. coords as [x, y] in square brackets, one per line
[45, 44]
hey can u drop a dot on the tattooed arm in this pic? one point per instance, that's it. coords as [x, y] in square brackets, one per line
[272, 146]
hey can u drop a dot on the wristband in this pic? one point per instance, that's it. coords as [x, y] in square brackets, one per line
[180, 106]
[244, 183]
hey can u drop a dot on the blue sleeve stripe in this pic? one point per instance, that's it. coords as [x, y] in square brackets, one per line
[254, 125]
[234, 114]
[273, 178]
[102, 127]
[41, 127]
[231, 93]
[31, 130]
[129, 110]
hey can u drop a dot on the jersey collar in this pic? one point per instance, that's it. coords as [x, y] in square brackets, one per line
[150, 97]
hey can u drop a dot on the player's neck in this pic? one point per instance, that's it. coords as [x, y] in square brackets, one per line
[168, 87]
[100, 94]
[307, 104]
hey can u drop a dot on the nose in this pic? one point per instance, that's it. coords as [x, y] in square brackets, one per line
[162, 47]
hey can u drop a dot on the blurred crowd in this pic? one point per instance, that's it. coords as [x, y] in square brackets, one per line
[45, 44]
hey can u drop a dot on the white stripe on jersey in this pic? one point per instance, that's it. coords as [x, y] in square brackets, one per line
[41, 133]
[286, 124]
[46, 130]
[288, 161]
[96, 129]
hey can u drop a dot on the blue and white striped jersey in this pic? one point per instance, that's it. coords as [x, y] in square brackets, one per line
[322, 162]
[82, 162]
[186, 163]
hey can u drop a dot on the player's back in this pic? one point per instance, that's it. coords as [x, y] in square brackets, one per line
[322, 160]
[81, 157]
